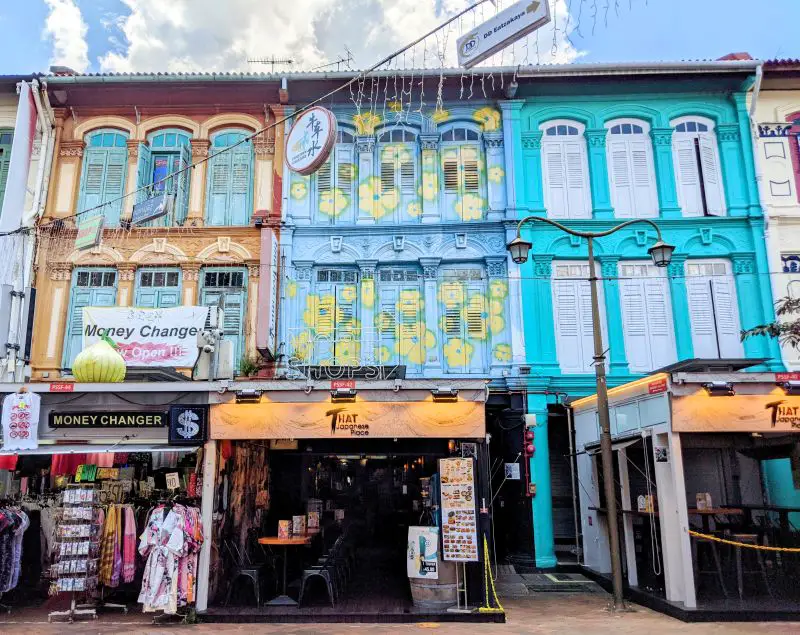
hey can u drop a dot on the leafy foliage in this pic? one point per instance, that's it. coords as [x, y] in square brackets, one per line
[786, 328]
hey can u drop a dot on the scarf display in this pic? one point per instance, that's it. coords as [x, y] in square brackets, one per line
[129, 546]
[118, 546]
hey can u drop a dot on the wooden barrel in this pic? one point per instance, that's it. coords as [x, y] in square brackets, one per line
[436, 595]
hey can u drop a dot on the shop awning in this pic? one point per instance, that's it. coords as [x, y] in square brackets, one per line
[594, 448]
[95, 448]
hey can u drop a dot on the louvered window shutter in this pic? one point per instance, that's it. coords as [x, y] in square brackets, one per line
[687, 176]
[711, 175]
[324, 177]
[555, 195]
[218, 185]
[470, 156]
[5, 163]
[698, 291]
[727, 313]
[387, 322]
[567, 322]
[241, 185]
[661, 341]
[94, 171]
[634, 313]
[579, 205]
[645, 195]
[475, 312]
[621, 181]
[585, 323]
[345, 180]
[454, 295]
[114, 185]
[144, 173]
[450, 168]
[184, 184]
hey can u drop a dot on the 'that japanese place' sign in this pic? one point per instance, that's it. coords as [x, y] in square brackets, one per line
[508, 26]
[310, 141]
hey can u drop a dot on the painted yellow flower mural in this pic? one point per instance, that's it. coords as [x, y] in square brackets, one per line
[488, 117]
[414, 209]
[470, 207]
[349, 294]
[333, 202]
[291, 289]
[496, 174]
[502, 352]
[369, 194]
[389, 201]
[348, 352]
[302, 346]
[410, 301]
[440, 116]
[299, 190]
[430, 186]
[451, 293]
[395, 152]
[457, 352]
[498, 289]
[382, 354]
[365, 123]
[368, 293]
[495, 319]
[414, 342]
[395, 106]
[318, 314]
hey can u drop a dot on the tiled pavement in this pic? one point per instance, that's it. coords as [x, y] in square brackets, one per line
[579, 613]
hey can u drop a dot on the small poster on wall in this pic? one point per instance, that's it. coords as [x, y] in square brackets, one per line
[459, 516]
[422, 554]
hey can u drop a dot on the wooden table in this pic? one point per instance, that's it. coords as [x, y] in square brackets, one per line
[782, 511]
[294, 541]
[706, 514]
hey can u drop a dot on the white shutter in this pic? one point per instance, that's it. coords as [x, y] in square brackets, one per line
[645, 196]
[634, 319]
[621, 178]
[712, 176]
[568, 329]
[686, 175]
[585, 323]
[661, 343]
[577, 180]
[698, 291]
[727, 313]
[555, 196]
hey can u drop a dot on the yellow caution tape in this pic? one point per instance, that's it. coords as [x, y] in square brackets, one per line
[734, 543]
[488, 580]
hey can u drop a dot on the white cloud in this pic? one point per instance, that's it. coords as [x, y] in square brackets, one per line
[209, 35]
[67, 30]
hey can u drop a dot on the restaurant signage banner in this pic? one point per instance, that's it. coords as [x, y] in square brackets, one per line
[152, 208]
[119, 419]
[310, 140]
[506, 27]
[774, 412]
[362, 419]
[422, 553]
[459, 514]
[148, 337]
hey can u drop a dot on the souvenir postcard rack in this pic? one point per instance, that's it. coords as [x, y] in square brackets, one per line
[76, 552]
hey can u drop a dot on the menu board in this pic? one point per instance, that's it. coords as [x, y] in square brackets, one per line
[459, 517]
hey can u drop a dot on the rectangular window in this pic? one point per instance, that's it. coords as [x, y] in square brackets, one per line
[90, 287]
[566, 179]
[464, 320]
[713, 309]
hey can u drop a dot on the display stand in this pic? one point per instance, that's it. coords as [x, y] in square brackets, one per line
[461, 590]
[76, 551]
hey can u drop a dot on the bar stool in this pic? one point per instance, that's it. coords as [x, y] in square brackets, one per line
[749, 539]
[712, 546]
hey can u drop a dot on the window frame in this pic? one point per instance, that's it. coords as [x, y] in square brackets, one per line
[209, 180]
[448, 198]
[119, 146]
[549, 141]
[335, 160]
[710, 136]
[5, 161]
[405, 194]
[651, 209]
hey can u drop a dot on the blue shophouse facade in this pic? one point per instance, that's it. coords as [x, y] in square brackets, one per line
[597, 148]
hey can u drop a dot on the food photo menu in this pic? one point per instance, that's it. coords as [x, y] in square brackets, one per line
[459, 517]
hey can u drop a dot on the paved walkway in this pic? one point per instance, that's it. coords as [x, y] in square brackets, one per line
[582, 614]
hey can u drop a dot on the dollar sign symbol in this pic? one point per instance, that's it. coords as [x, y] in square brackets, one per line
[188, 424]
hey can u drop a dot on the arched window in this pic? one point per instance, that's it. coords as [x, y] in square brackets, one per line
[630, 169]
[463, 174]
[398, 158]
[336, 180]
[565, 170]
[229, 200]
[105, 163]
[6, 139]
[697, 167]
[166, 152]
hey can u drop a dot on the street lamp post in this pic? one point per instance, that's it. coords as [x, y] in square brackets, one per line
[661, 253]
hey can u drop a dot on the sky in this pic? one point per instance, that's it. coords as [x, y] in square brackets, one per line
[221, 35]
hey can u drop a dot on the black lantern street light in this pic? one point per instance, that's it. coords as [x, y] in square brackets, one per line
[661, 253]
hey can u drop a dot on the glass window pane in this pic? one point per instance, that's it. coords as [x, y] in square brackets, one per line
[158, 141]
[638, 129]
[96, 279]
[561, 130]
[459, 134]
[147, 279]
[172, 279]
[691, 126]
[238, 279]
[83, 278]
[170, 139]
[701, 127]
[159, 278]
[109, 279]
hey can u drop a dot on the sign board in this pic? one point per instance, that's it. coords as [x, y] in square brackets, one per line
[422, 553]
[699, 412]
[148, 337]
[506, 27]
[657, 386]
[120, 419]
[173, 481]
[310, 140]
[20, 421]
[513, 472]
[62, 387]
[342, 383]
[362, 419]
[152, 208]
[90, 231]
[188, 425]
[459, 516]
[781, 377]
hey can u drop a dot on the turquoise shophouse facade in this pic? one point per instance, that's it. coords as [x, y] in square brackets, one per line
[592, 147]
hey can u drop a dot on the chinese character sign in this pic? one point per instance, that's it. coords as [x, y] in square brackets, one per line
[310, 141]
[21, 421]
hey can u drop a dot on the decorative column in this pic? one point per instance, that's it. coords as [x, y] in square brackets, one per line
[126, 274]
[264, 149]
[430, 272]
[618, 363]
[197, 186]
[132, 179]
[540, 329]
[598, 174]
[253, 279]
[676, 271]
[429, 149]
[542, 501]
[365, 147]
[751, 313]
[733, 175]
[51, 317]
[665, 173]
[495, 176]
[748, 154]
[499, 361]
[530, 189]
[517, 317]
[513, 152]
[190, 273]
[368, 335]
[65, 191]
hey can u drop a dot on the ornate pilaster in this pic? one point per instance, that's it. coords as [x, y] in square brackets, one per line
[369, 343]
[190, 271]
[540, 339]
[496, 267]
[676, 273]
[598, 173]
[126, 274]
[735, 189]
[430, 273]
[133, 149]
[200, 148]
[60, 271]
[609, 271]
[365, 147]
[72, 148]
[431, 188]
[496, 175]
[197, 184]
[665, 173]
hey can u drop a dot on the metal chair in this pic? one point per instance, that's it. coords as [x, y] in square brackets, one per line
[243, 568]
[326, 571]
[749, 539]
